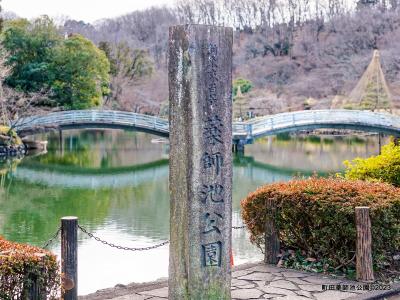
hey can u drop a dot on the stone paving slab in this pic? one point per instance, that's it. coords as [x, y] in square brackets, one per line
[249, 281]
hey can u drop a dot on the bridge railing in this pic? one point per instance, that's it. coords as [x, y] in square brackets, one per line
[96, 117]
[349, 117]
[241, 130]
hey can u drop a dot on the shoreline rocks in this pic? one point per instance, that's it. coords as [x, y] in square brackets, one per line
[12, 150]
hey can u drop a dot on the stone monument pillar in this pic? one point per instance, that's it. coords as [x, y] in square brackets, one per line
[200, 95]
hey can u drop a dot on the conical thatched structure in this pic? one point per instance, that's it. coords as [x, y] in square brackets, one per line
[371, 91]
[240, 105]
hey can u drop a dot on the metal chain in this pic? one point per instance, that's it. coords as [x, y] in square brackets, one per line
[132, 248]
[52, 238]
[238, 227]
[121, 247]
[113, 245]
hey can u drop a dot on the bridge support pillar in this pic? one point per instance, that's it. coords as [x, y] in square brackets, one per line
[397, 140]
[61, 142]
[238, 146]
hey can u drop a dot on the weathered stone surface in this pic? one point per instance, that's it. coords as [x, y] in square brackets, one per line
[249, 286]
[284, 284]
[297, 280]
[238, 282]
[200, 89]
[292, 298]
[271, 296]
[276, 290]
[240, 273]
[291, 274]
[131, 297]
[321, 280]
[304, 293]
[337, 295]
[262, 283]
[311, 287]
[267, 269]
[162, 292]
[278, 276]
[246, 294]
[257, 276]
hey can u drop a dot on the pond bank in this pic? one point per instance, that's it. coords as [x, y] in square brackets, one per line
[258, 281]
[20, 150]
[12, 151]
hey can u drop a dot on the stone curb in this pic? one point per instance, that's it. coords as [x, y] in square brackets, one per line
[123, 290]
[379, 295]
[132, 288]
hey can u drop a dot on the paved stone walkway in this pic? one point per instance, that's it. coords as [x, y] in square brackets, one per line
[251, 281]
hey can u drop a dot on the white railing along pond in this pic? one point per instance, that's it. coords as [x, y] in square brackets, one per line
[362, 120]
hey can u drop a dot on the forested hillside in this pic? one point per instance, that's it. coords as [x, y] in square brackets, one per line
[295, 54]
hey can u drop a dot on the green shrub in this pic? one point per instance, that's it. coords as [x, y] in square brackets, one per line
[316, 216]
[73, 71]
[245, 86]
[19, 263]
[9, 136]
[384, 167]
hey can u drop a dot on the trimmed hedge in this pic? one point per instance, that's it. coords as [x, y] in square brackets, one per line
[20, 264]
[316, 217]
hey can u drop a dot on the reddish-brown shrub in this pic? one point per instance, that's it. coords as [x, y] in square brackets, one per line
[20, 264]
[316, 216]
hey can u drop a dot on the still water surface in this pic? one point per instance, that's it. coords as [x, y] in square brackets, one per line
[116, 182]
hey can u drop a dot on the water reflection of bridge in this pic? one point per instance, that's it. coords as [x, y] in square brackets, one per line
[243, 132]
[76, 177]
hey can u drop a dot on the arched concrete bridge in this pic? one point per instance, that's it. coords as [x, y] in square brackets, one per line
[243, 132]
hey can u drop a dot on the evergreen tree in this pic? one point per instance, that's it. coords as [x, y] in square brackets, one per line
[73, 71]
[30, 46]
[81, 73]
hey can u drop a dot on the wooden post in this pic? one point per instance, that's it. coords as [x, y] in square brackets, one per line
[200, 178]
[69, 257]
[32, 291]
[272, 244]
[364, 245]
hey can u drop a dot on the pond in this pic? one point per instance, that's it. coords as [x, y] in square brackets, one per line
[116, 182]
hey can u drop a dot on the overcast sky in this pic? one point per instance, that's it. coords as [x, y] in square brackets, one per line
[86, 10]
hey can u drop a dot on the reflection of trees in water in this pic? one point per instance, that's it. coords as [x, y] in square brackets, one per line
[32, 212]
[6, 167]
[309, 153]
[106, 148]
[78, 153]
[82, 158]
